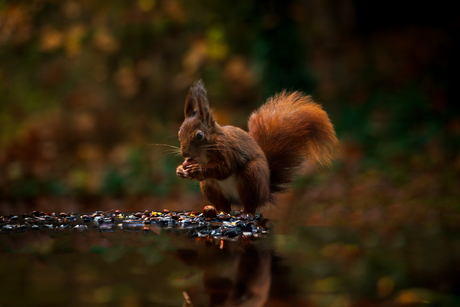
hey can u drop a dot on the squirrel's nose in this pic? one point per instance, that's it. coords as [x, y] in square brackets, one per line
[184, 153]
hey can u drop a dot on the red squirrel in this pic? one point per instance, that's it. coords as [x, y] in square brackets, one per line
[235, 167]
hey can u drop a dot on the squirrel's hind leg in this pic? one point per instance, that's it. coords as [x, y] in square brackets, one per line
[253, 186]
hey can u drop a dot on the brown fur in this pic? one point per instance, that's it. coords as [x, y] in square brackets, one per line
[289, 128]
[235, 167]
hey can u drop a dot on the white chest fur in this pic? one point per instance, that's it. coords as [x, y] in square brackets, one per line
[228, 188]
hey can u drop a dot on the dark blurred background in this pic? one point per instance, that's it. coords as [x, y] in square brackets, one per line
[86, 88]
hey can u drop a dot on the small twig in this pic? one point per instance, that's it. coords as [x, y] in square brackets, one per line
[108, 211]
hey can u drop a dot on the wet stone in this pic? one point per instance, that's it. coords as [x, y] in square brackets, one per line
[194, 224]
[80, 227]
[107, 220]
[106, 228]
[231, 233]
[7, 228]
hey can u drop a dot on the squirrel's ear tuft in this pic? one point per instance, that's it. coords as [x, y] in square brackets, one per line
[197, 101]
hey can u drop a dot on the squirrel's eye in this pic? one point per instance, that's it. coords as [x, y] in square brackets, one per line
[199, 136]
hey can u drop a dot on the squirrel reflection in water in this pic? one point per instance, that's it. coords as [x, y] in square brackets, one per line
[242, 273]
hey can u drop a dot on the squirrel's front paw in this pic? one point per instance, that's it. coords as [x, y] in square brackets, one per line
[194, 171]
[181, 172]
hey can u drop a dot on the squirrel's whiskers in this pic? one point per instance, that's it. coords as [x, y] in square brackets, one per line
[171, 151]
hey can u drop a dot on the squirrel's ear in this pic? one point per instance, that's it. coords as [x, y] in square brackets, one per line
[197, 101]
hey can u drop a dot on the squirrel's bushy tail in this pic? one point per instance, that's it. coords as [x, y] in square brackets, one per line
[291, 128]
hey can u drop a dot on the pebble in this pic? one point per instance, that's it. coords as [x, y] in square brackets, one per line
[80, 227]
[231, 233]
